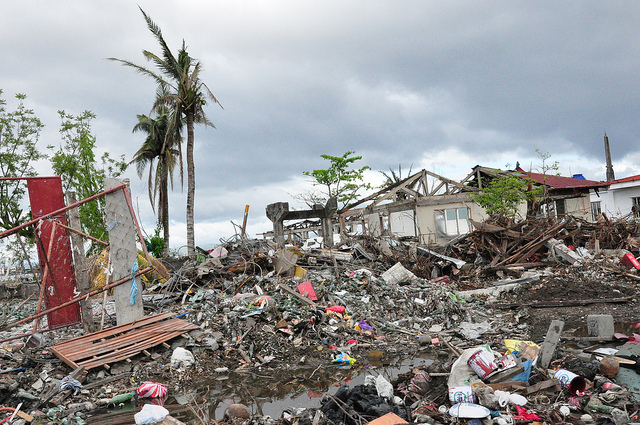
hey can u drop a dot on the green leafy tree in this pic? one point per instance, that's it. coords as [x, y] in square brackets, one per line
[161, 153]
[75, 161]
[155, 244]
[339, 181]
[503, 195]
[19, 135]
[187, 96]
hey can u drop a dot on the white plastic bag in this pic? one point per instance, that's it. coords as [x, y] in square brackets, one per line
[384, 387]
[182, 357]
[150, 414]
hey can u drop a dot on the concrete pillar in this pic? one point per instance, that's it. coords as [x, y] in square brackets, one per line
[275, 212]
[123, 253]
[327, 226]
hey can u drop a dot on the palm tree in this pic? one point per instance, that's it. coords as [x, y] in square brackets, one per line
[161, 152]
[187, 97]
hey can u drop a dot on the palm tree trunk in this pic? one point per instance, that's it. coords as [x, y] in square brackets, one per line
[165, 211]
[191, 187]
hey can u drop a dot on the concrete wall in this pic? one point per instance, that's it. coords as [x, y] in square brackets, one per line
[402, 223]
[579, 207]
[423, 223]
[426, 219]
[616, 201]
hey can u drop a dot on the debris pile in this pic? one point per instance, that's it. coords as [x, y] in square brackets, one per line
[521, 323]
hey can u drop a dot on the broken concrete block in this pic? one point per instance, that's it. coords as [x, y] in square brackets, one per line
[397, 275]
[560, 250]
[600, 325]
[285, 262]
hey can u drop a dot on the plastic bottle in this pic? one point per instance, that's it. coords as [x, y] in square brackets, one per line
[121, 398]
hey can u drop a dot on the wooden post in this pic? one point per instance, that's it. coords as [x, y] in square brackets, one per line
[244, 222]
[123, 254]
[80, 263]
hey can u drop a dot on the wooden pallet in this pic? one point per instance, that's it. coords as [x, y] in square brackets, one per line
[121, 342]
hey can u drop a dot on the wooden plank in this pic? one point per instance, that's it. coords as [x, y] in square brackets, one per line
[105, 333]
[129, 352]
[550, 343]
[127, 339]
[120, 343]
[562, 303]
[130, 349]
[62, 357]
[553, 384]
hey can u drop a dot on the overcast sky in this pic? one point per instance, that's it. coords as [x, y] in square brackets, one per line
[432, 84]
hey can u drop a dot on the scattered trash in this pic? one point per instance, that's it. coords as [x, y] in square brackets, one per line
[478, 310]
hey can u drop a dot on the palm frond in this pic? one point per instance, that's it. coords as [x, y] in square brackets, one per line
[166, 52]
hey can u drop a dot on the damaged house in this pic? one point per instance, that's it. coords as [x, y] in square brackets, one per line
[621, 198]
[435, 210]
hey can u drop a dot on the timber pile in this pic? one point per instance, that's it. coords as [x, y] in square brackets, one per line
[496, 243]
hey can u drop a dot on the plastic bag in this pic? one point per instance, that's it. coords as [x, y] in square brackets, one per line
[150, 414]
[182, 357]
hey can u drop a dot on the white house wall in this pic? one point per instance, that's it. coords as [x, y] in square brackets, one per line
[616, 202]
[402, 223]
[426, 219]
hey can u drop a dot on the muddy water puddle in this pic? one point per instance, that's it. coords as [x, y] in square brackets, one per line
[297, 387]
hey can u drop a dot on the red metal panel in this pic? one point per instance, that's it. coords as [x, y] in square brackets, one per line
[45, 196]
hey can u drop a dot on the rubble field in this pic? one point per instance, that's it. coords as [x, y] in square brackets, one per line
[495, 319]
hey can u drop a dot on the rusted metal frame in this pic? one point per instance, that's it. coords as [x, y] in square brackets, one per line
[59, 211]
[74, 300]
[45, 273]
[28, 335]
[46, 256]
[96, 240]
[99, 347]
[110, 332]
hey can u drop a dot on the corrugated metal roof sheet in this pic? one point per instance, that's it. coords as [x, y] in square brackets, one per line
[560, 182]
[626, 179]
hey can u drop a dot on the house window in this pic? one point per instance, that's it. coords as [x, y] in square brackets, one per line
[596, 210]
[452, 222]
[635, 206]
[561, 207]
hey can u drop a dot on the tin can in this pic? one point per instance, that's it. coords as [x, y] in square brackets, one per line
[482, 363]
[461, 395]
[506, 362]
[571, 382]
